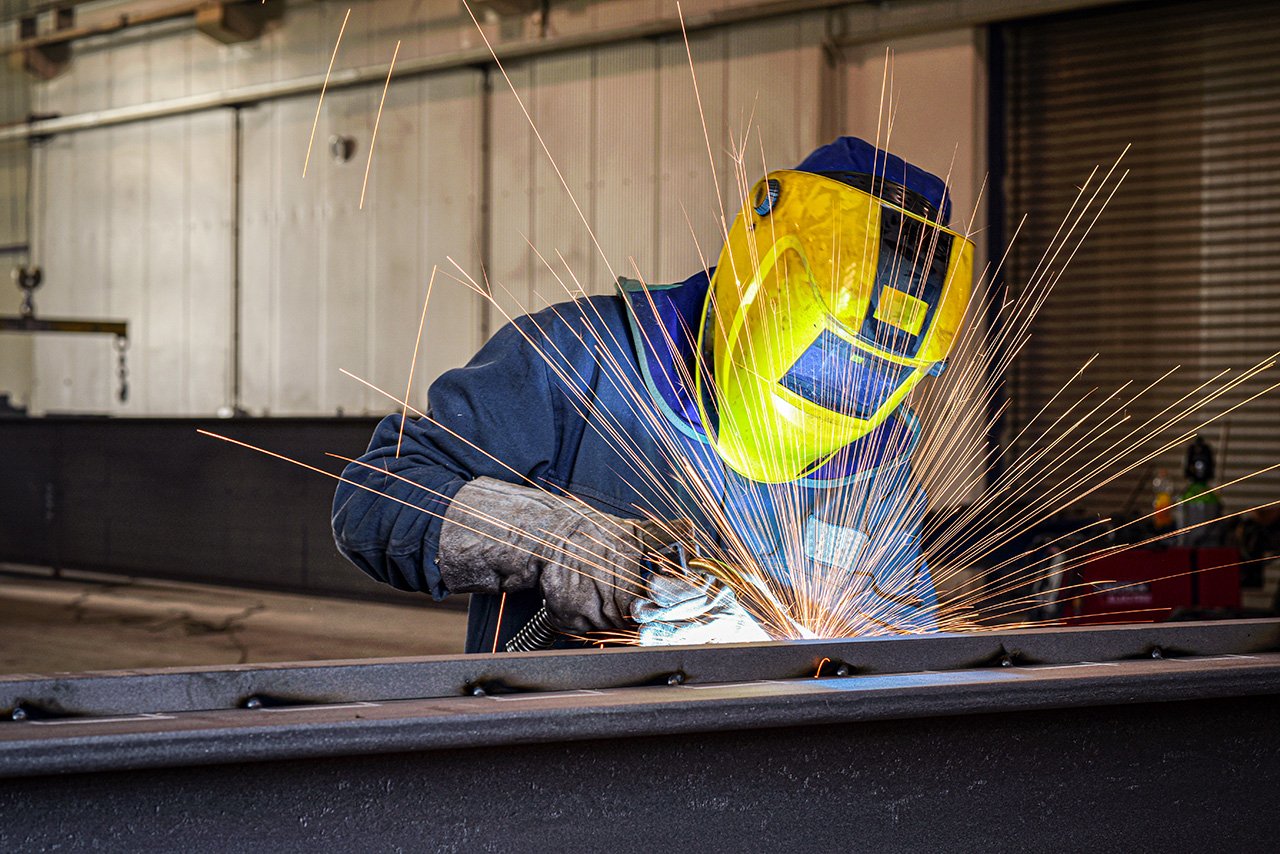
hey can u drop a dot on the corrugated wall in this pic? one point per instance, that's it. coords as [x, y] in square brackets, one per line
[138, 221]
[328, 286]
[15, 350]
[623, 126]
[936, 118]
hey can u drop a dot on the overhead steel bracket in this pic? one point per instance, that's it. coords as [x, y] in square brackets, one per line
[44, 59]
[233, 22]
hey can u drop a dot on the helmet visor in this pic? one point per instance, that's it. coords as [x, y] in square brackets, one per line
[829, 304]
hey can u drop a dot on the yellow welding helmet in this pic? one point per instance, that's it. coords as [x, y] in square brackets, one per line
[828, 305]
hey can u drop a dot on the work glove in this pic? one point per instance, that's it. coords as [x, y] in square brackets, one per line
[500, 536]
[694, 608]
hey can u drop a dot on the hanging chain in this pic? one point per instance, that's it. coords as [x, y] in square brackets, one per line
[28, 280]
[122, 367]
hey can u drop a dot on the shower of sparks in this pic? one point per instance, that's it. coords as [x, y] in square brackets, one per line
[324, 87]
[870, 586]
[373, 140]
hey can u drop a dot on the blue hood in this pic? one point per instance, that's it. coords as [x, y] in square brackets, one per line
[850, 154]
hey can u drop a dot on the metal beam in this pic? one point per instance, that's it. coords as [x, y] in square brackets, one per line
[100, 494]
[1105, 750]
[220, 688]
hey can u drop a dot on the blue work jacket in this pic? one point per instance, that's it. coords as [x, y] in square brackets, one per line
[587, 398]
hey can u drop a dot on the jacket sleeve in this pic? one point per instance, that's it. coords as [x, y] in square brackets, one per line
[502, 403]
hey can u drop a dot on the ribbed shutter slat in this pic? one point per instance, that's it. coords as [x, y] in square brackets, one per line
[1184, 266]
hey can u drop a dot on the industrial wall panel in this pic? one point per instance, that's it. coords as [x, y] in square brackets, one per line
[923, 98]
[70, 370]
[400, 192]
[207, 142]
[511, 214]
[450, 185]
[625, 188]
[259, 245]
[624, 128]
[1181, 270]
[691, 220]
[135, 224]
[562, 112]
[328, 286]
[130, 214]
[345, 288]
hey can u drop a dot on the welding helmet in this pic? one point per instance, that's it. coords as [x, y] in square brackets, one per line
[836, 292]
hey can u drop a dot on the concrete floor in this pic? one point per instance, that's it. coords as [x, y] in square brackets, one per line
[87, 621]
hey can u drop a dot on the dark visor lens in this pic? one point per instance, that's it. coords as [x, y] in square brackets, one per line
[835, 375]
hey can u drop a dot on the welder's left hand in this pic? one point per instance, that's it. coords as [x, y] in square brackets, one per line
[696, 608]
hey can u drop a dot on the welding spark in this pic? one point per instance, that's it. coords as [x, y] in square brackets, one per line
[323, 88]
[377, 121]
[417, 342]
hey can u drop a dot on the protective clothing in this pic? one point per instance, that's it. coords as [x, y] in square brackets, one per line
[693, 610]
[828, 306]
[500, 536]
[555, 396]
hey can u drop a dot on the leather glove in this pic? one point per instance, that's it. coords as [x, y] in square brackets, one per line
[693, 609]
[500, 536]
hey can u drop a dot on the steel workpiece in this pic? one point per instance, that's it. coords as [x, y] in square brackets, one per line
[910, 739]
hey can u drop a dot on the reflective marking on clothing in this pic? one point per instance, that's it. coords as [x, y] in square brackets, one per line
[834, 545]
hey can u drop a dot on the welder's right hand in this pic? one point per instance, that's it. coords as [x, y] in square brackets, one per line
[499, 536]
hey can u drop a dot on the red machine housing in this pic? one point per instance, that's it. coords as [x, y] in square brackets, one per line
[1151, 584]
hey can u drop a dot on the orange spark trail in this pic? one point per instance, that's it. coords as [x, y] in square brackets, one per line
[422, 322]
[373, 140]
[497, 631]
[323, 88]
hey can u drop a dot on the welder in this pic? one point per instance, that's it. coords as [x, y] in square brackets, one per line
[780, 375]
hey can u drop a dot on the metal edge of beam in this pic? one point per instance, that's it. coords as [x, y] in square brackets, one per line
[212, 688]
[211, 738]
[907, 19]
